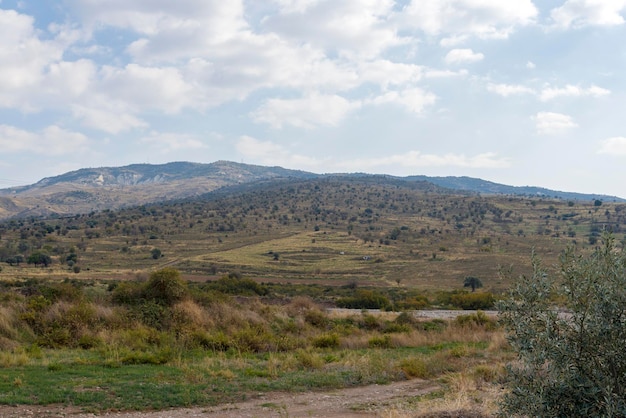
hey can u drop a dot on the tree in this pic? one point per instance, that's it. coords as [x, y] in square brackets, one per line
[472, 282]
[16, 259]
[156, 253]
[572, 363]
[39, 258]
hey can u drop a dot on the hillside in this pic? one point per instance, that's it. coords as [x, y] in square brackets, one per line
[328, 230]
[96, 189]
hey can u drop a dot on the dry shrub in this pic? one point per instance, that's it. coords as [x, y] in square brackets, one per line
[309, 360]
[13, 359]
[300, 304]
[233, 317]
[327, 340]
[7, 344]
[488, 373]
[415, 367]
[355, 341]
[189, 314]
[253, 339]
[498, 342]
[426, 367]
[139, 337]
[9, 323]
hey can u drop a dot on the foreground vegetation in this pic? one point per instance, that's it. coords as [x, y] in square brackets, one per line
[163, 343]
[572, 362]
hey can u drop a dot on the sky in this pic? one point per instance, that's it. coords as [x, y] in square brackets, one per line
[518, 92]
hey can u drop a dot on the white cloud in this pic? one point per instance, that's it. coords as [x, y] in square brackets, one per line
[107, 116]
[307, 112]
[52, 140]
[167, 142]
[384, 72]
[459, 56]
[350, 27]
[453, 40]
[412, 99]
[148, 87]
[579, 13]
[531, 65]
[506, 90]
[295, 6]
[149, 17]
[613, 146]
[417, 160]
[445, 73]
[550, 123]
[481, 18]
[550, 93]
[270, 153]
[23, 59]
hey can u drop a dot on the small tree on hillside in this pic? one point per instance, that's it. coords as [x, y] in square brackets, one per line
[156, 253]
[572, 363]
[39, 259]
[472, 282]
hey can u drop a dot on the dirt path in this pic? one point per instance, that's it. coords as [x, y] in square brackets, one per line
[367, 401]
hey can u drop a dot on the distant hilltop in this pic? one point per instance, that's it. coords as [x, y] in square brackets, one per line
[92, 189]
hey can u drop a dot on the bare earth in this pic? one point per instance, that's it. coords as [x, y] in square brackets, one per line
[367, 401]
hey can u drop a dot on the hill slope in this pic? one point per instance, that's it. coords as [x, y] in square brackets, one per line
[102, 188]
[93, 189]
[332, 229]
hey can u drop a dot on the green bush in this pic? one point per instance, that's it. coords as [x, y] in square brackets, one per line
[365, 299]
[326, 341]
[474, 300]
[476, 319]
[217, 341]
[383, 341]
[165, 287]
[235, 285]
[570, 364]
[316, 318]
[126, 293]
[413, 302]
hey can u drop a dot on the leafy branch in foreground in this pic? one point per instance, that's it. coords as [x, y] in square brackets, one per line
[571, 363]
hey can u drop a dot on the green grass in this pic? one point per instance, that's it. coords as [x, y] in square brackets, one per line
[89, 381]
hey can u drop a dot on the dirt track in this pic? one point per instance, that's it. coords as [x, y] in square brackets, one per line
[367, 401]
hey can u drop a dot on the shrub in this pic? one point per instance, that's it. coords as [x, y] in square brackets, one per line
[475, 300]
[254, 339]
[316, 318]
[326, 341]
[413, 302]
[415, 367]
[126, 293]
[165, 287]
[235, 285]
[476, 319]
[216, 341]
[383, 341]
[365, 299]
[574, 364]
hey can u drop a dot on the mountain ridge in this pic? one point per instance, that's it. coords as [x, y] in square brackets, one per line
[92, 189]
